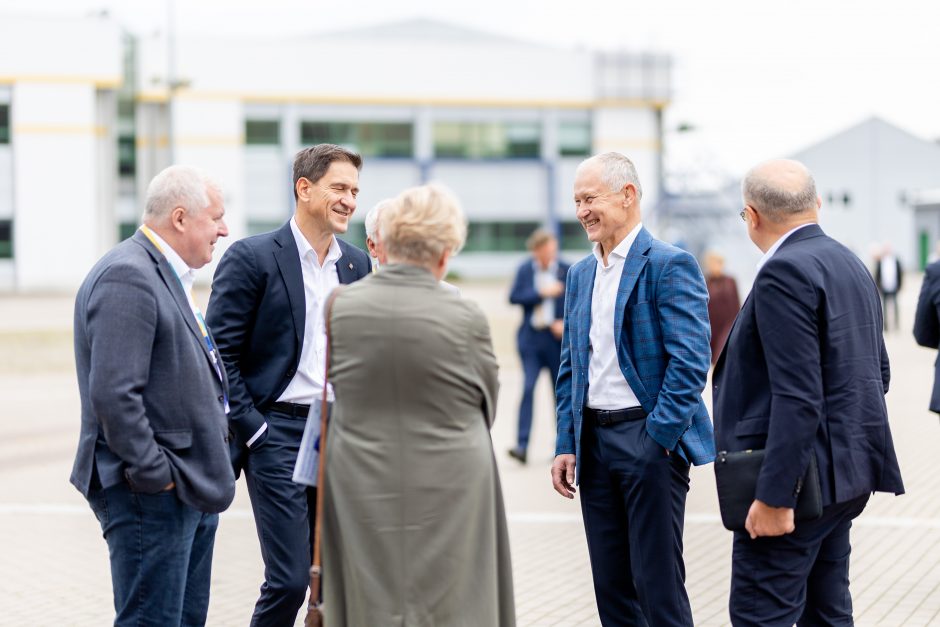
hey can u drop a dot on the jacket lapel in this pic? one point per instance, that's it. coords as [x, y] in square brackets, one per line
[288, 262]
[346, 267]
[173, 285]
[636, 260]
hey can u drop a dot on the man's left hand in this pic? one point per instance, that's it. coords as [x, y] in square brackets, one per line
[557, 328]
[764, 520]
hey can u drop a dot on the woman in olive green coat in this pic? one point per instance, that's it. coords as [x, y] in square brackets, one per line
[414, 529]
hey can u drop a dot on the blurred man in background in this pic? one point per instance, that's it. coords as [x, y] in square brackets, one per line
[539, 287]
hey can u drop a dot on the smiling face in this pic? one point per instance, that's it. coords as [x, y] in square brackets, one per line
[199, 231]
[607, 215]
[328, 203]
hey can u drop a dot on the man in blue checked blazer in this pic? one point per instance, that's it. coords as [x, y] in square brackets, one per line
[634, 359]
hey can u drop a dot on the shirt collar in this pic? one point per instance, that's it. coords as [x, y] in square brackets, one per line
[770, 251]
[183, 271]
[304, 247]
[622, 249]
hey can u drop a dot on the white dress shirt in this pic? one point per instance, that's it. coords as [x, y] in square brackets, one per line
[543, 314]
[607, 389]
[770, 251]
[319, 280]
[186, 274]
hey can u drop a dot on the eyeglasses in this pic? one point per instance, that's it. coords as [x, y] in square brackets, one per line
[743, 214]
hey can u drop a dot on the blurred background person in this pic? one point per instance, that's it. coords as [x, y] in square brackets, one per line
[723, 301]
[414, 528]
[539, 287]
[888, 276]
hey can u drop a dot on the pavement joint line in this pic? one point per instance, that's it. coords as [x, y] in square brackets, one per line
[538, 518]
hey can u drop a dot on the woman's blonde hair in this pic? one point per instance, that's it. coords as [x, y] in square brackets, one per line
[421, 224]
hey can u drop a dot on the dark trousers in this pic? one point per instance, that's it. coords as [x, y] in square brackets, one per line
[800, 578]
[538, 350]
[161, 556]
[284, 518]
[633, 502]
[890, 297]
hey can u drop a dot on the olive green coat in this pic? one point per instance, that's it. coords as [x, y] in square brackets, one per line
[414, 528]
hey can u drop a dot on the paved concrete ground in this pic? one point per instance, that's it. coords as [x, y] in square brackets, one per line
[54, 568]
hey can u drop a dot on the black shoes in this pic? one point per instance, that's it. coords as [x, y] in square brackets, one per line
[518, 454]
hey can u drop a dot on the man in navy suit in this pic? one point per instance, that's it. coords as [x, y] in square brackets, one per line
[266, 312]
[540, 288]
[634, 360]
[804, 373]
[927, 324]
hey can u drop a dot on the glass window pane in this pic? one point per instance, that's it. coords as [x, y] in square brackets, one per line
[573, 237]
[127, 156]
[487, 140]
[4, 124]
[125, 230]
[6, 239]
[574, 139]
[262, 132]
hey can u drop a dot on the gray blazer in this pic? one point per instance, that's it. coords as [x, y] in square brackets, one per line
[152, 402]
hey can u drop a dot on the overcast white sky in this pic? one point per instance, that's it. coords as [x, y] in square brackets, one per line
[758, 79]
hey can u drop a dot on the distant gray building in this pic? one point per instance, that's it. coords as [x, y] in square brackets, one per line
[869, 177]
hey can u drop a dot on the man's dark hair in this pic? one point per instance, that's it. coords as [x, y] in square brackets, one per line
[312, 163]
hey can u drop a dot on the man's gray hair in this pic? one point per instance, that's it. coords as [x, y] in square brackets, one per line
[779, 197]
[178, 186]
[617, 171]
[372, 218]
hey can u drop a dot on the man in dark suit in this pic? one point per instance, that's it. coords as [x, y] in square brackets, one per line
[266, 310]
[889, 276]
[927, 323]
[634, 359]
[803, 373]
[539, 287]
[153, 457]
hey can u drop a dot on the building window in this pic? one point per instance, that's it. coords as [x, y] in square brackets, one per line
[262, 132]
[126, 230]
[4, 124]
[369, 139]
[127, 155]
[256, 227]
[574, 139]
[6, 239]
[487, 140]
[573, 236]
[498, 236]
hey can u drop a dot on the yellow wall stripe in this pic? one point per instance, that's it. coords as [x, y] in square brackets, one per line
[60, 129]
[101, 82]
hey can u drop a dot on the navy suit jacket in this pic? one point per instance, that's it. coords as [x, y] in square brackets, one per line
[257, 314]
[662, 331]
[805, 371]
[927, 323]
[523, 293]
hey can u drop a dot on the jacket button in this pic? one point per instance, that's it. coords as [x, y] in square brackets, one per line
[221, 398]
[290, 373]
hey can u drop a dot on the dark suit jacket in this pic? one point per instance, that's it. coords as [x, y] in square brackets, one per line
[900, 275]
[150, 393]
[927, 323]
[257, 314]
[524, 293]
[805, 370]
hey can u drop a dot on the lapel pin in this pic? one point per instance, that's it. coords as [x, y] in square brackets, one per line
[350, 266]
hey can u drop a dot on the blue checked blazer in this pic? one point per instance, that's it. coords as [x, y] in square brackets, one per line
[661, 322]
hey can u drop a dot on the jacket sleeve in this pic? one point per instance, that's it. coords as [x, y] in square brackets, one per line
[682, 306]
[523, 290]
[121, 320]
[926, 322]
[236, 292]
[483, 361]
[564, 438]
[785, 302]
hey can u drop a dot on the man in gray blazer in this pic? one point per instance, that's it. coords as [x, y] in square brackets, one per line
[153, 457]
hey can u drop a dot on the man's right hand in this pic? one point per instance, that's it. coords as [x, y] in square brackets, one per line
[552, 291]
[169, 486]
[563, 475]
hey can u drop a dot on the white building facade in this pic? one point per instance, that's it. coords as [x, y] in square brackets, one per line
[503, 123]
